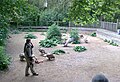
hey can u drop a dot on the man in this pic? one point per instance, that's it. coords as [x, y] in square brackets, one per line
[29, 58]
[99, 78]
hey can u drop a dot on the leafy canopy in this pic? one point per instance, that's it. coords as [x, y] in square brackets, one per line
[89, 11]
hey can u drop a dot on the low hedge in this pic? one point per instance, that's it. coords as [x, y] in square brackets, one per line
[4, 59]
[79, 48]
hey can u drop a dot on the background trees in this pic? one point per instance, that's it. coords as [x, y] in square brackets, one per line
[89, 11]
[13, 12]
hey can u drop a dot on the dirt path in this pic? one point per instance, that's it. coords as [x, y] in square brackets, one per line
[71, 67]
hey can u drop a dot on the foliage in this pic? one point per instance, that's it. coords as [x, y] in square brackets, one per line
[4, 59]
[111, 42]
[105, 40]
[3, 35]
[56, 11]
[17, 11]
[89, 11]
[114, 44]
[54, 32]
[76, 42]
[75, 35]
[93, 34]
[79, 48]
[31, 36]
[58, 52]
[53, 37]
[55, 40]
[47, 16]
[47, 43]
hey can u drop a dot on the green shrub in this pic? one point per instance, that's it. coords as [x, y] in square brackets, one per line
[47, 43]
[54, 32]
[115, 44]
[58, 52]
[105, 40]
[53, 37]
[79, 48]
[93, 34]
[108, 41]
[3, 36]
[76, 42]
[2, 42]
[75, 35]
[111, 42]
[31, 36]
[55, 40]
[4, 59]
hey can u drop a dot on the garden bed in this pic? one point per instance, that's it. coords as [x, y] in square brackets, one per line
[72, 66]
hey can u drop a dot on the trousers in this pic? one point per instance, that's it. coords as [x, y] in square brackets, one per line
[29, 65]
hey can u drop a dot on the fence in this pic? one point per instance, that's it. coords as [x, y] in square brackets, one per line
[108, 26]
[101, 24]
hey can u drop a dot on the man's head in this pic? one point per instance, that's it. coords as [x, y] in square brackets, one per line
[99, 78]
[28, 40]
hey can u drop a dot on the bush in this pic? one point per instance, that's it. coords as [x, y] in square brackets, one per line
[47, 43]
[93, 34]
[4, 59]
[55, 40]
[31, 36]
[111, 42]
[79, 48]
[54, 32]
[76, 42]
[58, 52]
[3, 36]
[53, 37]
[105, 40]
[75, 35]
[2, 42]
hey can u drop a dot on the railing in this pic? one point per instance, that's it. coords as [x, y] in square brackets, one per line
[44, 24]
[108, 26]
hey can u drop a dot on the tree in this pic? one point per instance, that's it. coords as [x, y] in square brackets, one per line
[17, 11]
[89, 11]
[56, 11]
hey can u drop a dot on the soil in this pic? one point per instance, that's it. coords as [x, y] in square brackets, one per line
[100, 57]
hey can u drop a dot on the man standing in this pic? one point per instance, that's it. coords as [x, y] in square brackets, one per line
[29, 59]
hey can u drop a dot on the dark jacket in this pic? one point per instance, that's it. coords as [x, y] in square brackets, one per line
[28, 49]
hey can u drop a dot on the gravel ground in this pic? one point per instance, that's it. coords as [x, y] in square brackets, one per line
[100, 57]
